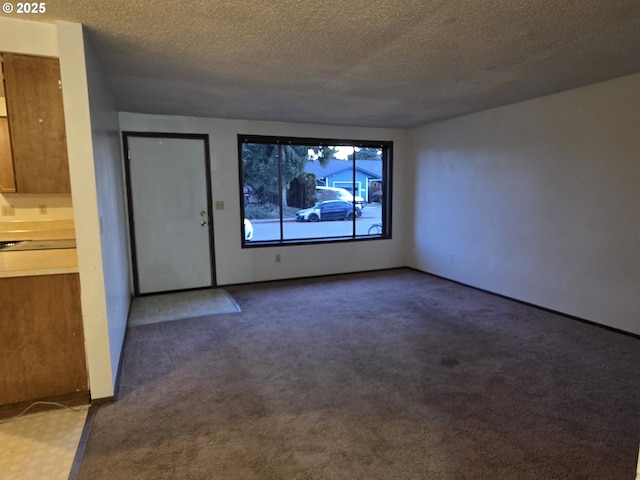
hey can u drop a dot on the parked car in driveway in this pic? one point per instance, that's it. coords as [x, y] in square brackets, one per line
[328, 210]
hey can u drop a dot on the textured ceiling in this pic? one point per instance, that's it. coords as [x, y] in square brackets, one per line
[380, 63]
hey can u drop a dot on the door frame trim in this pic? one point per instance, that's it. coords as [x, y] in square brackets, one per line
[207, 166]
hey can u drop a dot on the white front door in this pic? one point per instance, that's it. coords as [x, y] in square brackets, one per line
[169, 202]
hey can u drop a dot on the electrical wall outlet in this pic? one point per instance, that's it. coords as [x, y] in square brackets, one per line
[8, 211]
[219, 205]
[278, 258]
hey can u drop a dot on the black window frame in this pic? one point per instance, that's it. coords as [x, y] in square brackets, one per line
[386, 202]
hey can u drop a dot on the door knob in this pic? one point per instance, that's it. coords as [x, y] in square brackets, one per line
[203, 223]
[203, 213]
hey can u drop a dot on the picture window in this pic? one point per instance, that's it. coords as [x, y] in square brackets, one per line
[300, 190]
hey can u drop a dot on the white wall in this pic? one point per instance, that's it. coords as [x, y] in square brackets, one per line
[539, 201]
[85, 202]
[29, 38]
[237, 265]
[112, 212]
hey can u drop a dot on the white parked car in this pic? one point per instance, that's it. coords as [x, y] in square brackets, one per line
[335, 193]
[248, 230]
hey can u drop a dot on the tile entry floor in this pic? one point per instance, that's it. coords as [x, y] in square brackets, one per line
[180, 305]
[41, 445]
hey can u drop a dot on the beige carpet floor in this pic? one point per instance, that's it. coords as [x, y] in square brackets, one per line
[387, 375]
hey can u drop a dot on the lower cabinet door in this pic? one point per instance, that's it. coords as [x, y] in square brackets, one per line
[42, 342]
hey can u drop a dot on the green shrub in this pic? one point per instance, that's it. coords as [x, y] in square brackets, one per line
[267, 211]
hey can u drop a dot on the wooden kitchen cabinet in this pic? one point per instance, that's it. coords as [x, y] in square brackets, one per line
[7, 182]
[33, 91]
[41, 342]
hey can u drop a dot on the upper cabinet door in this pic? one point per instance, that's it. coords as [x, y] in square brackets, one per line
[36, 121]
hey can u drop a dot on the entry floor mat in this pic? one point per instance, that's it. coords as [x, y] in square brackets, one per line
[181, 305]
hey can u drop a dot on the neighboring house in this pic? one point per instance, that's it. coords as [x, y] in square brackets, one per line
[368, 176]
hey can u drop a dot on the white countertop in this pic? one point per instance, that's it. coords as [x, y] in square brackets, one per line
[38, 262]
[42, 271]
[36, 230]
